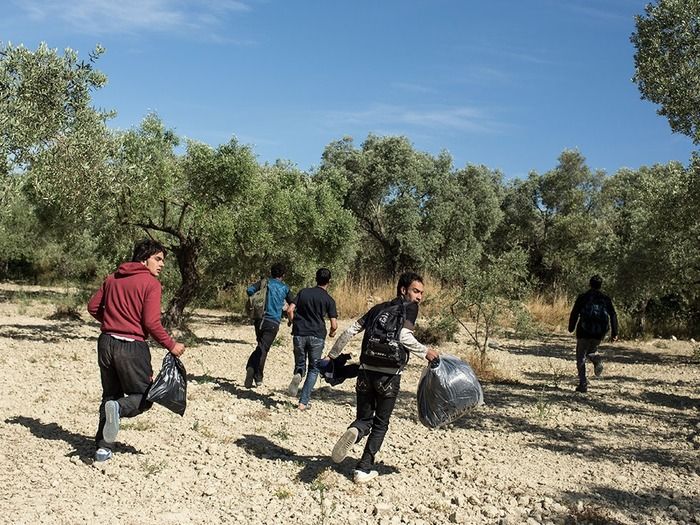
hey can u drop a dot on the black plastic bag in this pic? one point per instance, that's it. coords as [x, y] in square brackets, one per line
[170, 385]
[446, 391]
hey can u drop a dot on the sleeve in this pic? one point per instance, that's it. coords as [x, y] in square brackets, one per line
[332, 311]
[96, 305]
[574, 313]
[410, 343]
[354, 329]
[613, 319]
[151, 317]
[252, 288]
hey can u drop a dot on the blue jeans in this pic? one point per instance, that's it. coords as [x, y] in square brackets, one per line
[307, 347]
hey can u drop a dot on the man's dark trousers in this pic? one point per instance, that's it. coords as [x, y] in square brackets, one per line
[126, 375]
[265, 333]
[586, 348]
[376, 398]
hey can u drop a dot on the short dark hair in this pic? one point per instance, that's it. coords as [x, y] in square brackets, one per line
[278, 270]
[405, 280]
[596, 282]
[323, 276]
[145, 248]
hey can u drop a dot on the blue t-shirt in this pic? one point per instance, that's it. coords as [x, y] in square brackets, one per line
[277, 293]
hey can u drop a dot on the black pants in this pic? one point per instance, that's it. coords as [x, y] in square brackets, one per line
[265, 333]
[586, 349]
[376, 398]
[126, 374]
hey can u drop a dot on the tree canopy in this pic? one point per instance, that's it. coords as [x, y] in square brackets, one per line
[667, 62]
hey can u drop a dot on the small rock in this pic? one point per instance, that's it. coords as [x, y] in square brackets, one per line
[674, 338]
[381, 509]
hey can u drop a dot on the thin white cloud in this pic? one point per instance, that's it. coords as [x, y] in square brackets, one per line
[600, 13]
[446, 118]
[127, 16]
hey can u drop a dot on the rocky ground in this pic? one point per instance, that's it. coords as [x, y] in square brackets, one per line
[536, 452]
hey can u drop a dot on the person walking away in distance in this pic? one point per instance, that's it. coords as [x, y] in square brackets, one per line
[387, 341]
[127, 305]
[307, 313]
[592, 314]
[267, 327]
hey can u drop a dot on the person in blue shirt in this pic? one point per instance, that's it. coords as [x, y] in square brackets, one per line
[266, 328]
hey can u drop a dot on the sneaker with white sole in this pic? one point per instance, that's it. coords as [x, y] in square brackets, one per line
[346, 441]
[293, 388]
[249, 377]
[360, 476]
[109, 433]
[103, 454]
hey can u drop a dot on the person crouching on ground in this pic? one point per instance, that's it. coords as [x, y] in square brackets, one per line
[381, 363]
[127, 305]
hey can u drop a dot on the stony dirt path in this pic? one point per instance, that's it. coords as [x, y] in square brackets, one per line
[626, 452]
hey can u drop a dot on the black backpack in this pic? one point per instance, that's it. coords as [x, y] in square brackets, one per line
[594, 318]
[380, 345]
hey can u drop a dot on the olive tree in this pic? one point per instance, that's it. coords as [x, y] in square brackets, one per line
[667, 62]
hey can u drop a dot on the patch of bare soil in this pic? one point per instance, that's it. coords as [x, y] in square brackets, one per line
[537, 452]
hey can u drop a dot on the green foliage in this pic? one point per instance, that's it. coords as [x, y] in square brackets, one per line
[489, 291]
[667, 62]
[413, 209]
[439, 330]
[556, 218]
[45, 100]
[648, 261]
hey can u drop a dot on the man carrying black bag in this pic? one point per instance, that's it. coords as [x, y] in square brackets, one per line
[386, 343]
[128, 308]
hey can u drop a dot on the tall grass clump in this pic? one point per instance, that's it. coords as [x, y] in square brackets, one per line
[550, 312]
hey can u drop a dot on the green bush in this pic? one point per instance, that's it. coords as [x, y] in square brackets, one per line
[438, 330]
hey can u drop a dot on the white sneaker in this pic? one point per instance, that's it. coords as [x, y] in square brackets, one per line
[293, 388]
[345, 443]
[109, 433]
[360, 476]
[103, 454]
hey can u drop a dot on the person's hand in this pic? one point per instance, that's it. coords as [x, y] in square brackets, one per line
[331, 333]
[178, 349]
[431, 354]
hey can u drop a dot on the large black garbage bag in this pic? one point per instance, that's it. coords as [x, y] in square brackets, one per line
[170, 385]
[446, 391]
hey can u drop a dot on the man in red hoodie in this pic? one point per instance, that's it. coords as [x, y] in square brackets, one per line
[128, 308]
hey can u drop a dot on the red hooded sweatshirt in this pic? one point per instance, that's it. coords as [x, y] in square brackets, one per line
[128, 305]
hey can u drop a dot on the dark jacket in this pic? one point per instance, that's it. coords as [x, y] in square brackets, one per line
[581, 301]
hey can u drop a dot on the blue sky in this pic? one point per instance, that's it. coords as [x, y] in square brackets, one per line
[507, 84]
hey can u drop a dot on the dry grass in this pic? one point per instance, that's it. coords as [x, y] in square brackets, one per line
[552, 313]
[487, 370]
[354, 297]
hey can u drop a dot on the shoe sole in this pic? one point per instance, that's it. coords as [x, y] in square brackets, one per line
[598, 369]
[341, 448]
[111, 428]
[369, 476]
[293, 388]
[249, 373]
